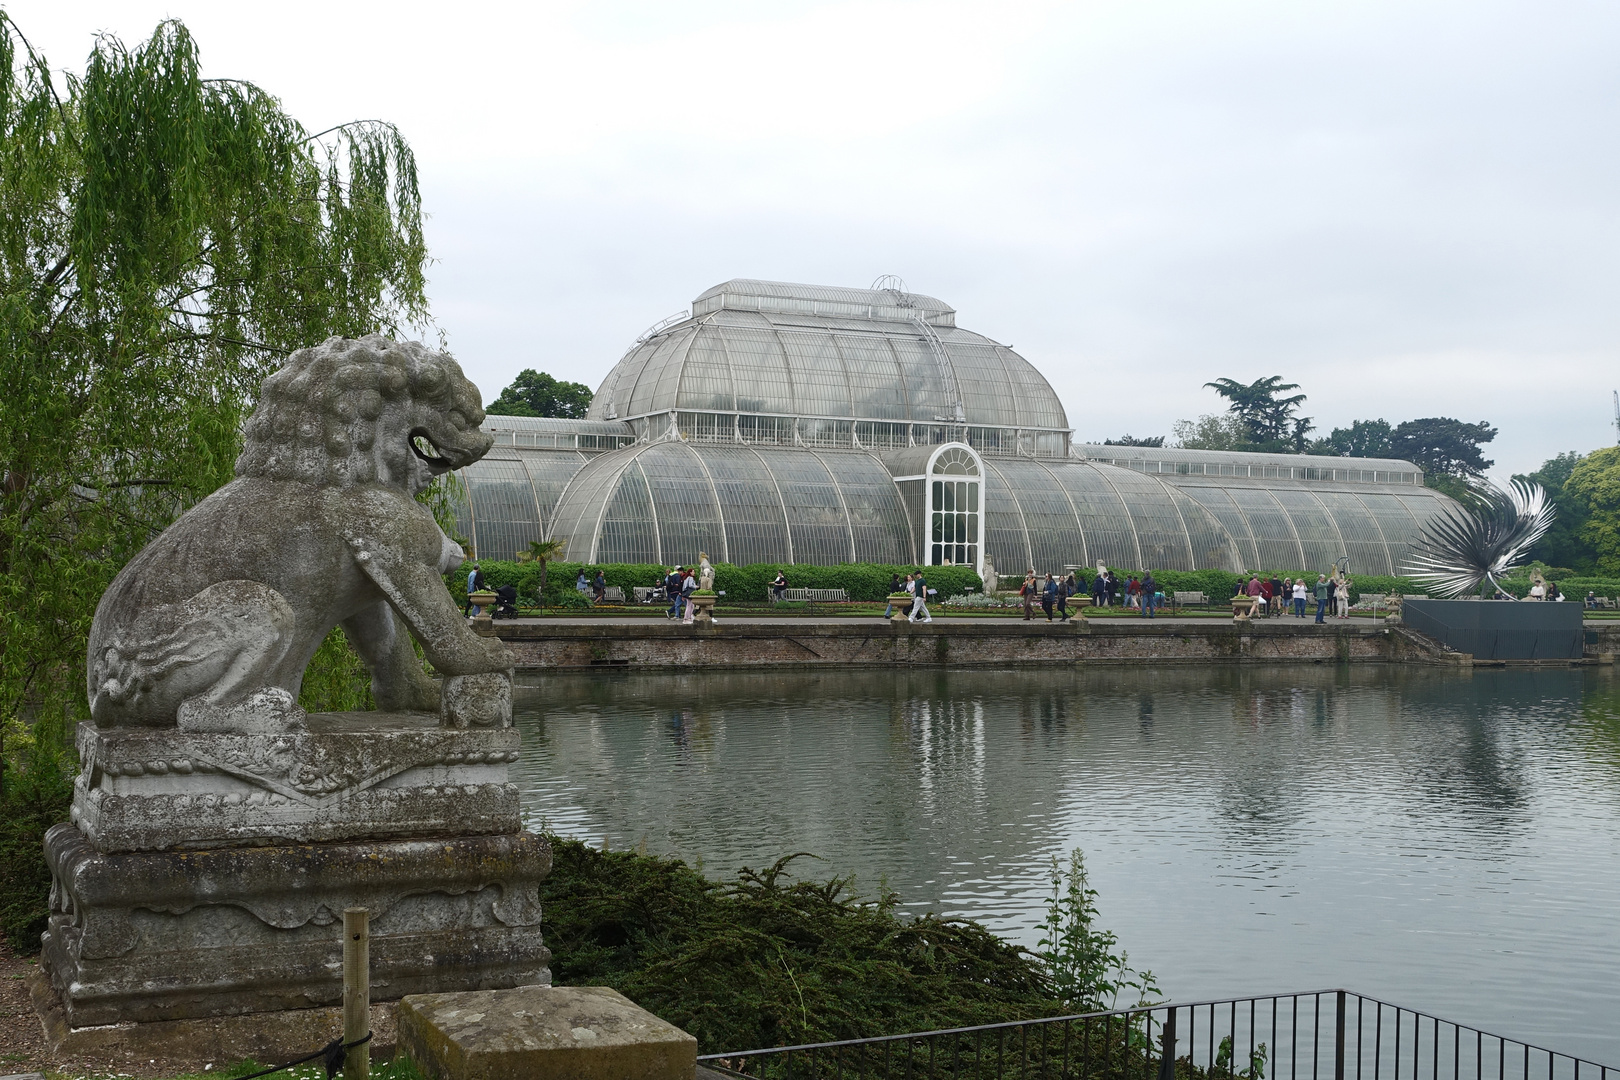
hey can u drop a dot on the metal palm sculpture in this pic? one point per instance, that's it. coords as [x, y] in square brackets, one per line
[1462, 549]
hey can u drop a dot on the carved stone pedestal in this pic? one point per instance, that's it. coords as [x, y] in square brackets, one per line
[206, 874]
[168, 935]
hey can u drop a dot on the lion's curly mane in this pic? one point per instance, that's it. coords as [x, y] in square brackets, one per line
[342, 412]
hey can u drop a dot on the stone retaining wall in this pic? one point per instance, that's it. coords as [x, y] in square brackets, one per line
[586, 646]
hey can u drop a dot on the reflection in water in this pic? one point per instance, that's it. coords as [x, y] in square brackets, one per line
[1444, 839]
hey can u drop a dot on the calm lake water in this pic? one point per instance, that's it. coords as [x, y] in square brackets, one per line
[1447, 841]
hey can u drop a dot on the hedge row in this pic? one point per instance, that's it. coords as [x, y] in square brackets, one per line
[870, 581]
[1219, 584]
[862, 581]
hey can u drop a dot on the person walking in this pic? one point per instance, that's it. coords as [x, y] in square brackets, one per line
[599, 587]
[1066, 588]
[1277, 597]
[689, 585]
[1098, 589]
[1027, 594]
[1300, 593]
[894, 587]
[1110, 590]
[779, 587]
[672, 592]
[1324, 593]
[1344, 598]
[583, 584]
[1150, 595]
[919, 603]
[1048, 596]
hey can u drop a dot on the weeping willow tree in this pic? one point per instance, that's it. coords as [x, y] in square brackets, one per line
[165, 240]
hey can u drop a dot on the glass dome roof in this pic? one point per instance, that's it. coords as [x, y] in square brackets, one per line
[798, 350]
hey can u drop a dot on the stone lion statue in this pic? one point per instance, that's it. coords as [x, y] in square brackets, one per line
[210, 627]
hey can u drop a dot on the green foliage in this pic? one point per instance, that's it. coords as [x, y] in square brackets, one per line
[1222, 1067]
[165, 240]
[1439, 444]
[1132, 440]
[1210, 432]
[534, 393]
[1594, 483]
[33, 797]
[336, 679]
[543, 553]
[1266, 418]
[1363, 438]
[862, 581]
[767, 961]
[1564, 545]
[1452, 486]
[1220, 584]
[1084, 971]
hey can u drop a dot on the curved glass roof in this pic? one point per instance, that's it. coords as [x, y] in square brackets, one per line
[668, 502]
[1044, 515]
[772, 348]
[506, 501]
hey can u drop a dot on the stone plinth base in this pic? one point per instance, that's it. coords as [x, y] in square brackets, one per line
[554, 1032]
[269, 1037]
[153, 936]
[350, 776]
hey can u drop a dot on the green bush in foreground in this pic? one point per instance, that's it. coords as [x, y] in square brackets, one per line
[765, 961]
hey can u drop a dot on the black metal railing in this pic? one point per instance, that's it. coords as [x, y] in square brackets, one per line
[1315, 1035]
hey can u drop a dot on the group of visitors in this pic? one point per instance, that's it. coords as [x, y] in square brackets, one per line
[679, 585]
[916, 587]
[1053, 592]
[594, 587]
[1142, 593]
[1273, 596]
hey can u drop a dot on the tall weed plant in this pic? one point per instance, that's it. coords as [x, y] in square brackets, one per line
[1085, 967]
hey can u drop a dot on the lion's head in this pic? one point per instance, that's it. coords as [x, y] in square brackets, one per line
[364, 410]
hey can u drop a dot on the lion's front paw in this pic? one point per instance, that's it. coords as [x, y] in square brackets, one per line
[477, 700]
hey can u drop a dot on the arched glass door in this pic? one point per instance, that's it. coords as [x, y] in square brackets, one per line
[953, 505]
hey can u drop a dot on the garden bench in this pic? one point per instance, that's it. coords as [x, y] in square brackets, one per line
[646, 594]
[816, 596]
[1188, 599]
[612, 595]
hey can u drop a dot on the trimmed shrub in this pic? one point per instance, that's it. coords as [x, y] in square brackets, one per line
[862, 581]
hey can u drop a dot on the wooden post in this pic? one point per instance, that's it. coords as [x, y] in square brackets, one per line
[356, 991]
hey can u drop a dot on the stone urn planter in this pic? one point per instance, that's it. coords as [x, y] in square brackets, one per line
[900, 602]
[483, 622]
[1242, 607]
[703, 606]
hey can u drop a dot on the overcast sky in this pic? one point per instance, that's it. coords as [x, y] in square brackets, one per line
[1408, 208]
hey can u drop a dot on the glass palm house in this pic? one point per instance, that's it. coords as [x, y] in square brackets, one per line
[779, 423]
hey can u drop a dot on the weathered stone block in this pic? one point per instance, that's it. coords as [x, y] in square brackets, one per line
[555, 1032]
[170, 935]
[350, 776]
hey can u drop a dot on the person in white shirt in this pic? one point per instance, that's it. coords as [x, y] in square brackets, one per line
[1300, 595]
